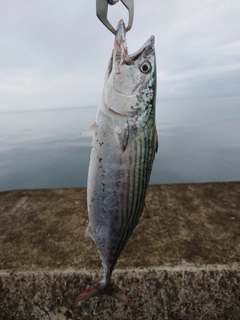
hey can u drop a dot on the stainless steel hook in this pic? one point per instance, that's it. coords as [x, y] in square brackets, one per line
[102, 10]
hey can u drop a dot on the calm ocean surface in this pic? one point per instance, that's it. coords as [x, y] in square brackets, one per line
[199, 141]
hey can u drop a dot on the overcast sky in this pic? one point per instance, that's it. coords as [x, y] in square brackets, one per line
[54, 53]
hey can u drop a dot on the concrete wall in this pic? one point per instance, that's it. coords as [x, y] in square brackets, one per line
[181, 263]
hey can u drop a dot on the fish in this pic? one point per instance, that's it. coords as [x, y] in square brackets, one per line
[124, 145]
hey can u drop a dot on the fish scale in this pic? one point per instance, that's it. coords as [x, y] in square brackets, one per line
[123, 150]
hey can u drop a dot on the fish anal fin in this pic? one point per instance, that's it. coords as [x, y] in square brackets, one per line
[101, 288]
[89, 131]
[88, 232]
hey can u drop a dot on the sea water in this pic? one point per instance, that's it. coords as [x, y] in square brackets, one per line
[199, 141]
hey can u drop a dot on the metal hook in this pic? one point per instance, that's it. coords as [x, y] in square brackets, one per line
[102, 9]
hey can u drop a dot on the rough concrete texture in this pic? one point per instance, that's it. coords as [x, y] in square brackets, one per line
[181, 263]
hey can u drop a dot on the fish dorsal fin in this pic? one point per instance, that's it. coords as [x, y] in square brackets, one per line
[145, 213]
[89, 131]
[156, 142]
[122, 134]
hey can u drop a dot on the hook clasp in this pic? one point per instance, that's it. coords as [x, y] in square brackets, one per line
[102, 10]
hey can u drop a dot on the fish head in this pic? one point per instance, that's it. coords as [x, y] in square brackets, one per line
[130, 82]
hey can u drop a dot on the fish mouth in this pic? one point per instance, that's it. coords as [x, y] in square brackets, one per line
[120, 51]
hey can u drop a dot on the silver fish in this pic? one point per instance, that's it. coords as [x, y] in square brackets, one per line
[123, 149]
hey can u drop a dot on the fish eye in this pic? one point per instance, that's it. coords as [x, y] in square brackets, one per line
[145, 66]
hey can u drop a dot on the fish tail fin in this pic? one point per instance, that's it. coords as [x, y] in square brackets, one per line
[110, 289]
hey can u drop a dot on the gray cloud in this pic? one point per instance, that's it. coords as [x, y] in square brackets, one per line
[54, 54]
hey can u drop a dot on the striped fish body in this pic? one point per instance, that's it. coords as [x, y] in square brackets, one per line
[123, 150]
[118, 180]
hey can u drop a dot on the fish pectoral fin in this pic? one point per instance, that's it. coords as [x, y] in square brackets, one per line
[100, 288]
[89, 131]
[122, 135]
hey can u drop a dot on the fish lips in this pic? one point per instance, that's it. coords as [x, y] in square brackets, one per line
[120, 51]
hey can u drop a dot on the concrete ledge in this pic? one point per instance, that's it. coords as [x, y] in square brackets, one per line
[182, 263]
[184, 292]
